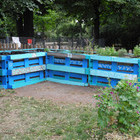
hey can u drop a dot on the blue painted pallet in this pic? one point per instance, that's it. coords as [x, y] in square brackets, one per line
[3, 82]
[114, 68]
[20, 64]
[17, 81]
[22, 69]
[67, 68]
[68, 61]
[3, 65]
[67, 78]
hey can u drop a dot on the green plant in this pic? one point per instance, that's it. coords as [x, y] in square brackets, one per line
[46, 50]
[120, 107]
[137, 50]
[88, 49]
[107, 51]
[122, 52]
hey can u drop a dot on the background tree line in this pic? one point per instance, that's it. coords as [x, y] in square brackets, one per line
[117, 21]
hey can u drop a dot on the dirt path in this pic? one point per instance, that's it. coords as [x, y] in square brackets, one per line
[59, 93]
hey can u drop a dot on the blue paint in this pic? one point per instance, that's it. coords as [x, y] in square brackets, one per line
[66, 68]
[114, 59]
[104, 66]
[59, 61]
[24, 56]
[125, 68]
[67, 82]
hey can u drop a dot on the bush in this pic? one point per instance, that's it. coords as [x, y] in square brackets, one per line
[120, 107]
[46, 50]
[88, 49]
[122, 52]
[137, 50]
[107, 51]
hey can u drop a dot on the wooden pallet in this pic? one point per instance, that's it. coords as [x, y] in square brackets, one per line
[69, 68]
[103, 68]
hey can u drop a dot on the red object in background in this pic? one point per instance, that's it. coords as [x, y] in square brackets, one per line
[29, 41]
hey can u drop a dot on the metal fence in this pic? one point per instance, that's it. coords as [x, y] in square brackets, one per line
[61, 42]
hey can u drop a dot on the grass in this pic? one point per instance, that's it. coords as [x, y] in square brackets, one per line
[28, 119]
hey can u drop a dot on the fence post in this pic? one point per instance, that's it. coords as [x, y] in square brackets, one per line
[59, 42]
[13, 46]
[7, 46]
[16, 46]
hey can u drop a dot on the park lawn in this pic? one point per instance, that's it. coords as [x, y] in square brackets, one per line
[28, 118]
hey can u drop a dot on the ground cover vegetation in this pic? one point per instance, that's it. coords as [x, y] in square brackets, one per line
[116, 116]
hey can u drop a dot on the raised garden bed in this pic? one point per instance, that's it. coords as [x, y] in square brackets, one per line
[29, 66]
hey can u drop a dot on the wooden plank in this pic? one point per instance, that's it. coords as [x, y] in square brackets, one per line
[3, 72]
[114, 75]
[27, 70]
[99, 84]
[66, 69]
[63, 55]
[3, 57]
[114, 59]
[18, 64]
[66, 82]
[21, 84]
[28, 55]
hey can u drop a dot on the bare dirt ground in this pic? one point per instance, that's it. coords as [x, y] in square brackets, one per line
[59, 93]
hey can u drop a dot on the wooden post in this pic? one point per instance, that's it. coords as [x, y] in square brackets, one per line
[24, 46]
[13, 45]
[4, 46]
[35, 46]
[10, 46]
[31, 46]
[21, 46]
[16, 46]
[7, 46]
[38, 46]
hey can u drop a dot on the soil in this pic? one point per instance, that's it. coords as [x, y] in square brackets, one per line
[59, 93]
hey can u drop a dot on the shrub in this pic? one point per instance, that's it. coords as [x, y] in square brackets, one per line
[120, 107]
[88, 49]
[122, 52]
[107, 51]
[137, 50]
[46, 50]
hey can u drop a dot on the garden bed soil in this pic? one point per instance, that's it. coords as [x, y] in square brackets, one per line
[59, 93]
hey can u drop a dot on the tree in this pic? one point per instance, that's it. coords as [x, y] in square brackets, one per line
[97, 12]
[22, 12]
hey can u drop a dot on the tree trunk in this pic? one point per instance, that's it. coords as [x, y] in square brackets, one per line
[28, 23]
[19, 26]
[97, 23]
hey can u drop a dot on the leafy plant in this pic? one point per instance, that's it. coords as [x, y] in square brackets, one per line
[120, 107]
[122, 52]
[107, 51]
[137, 50]
[88, 49]
[46, 50]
